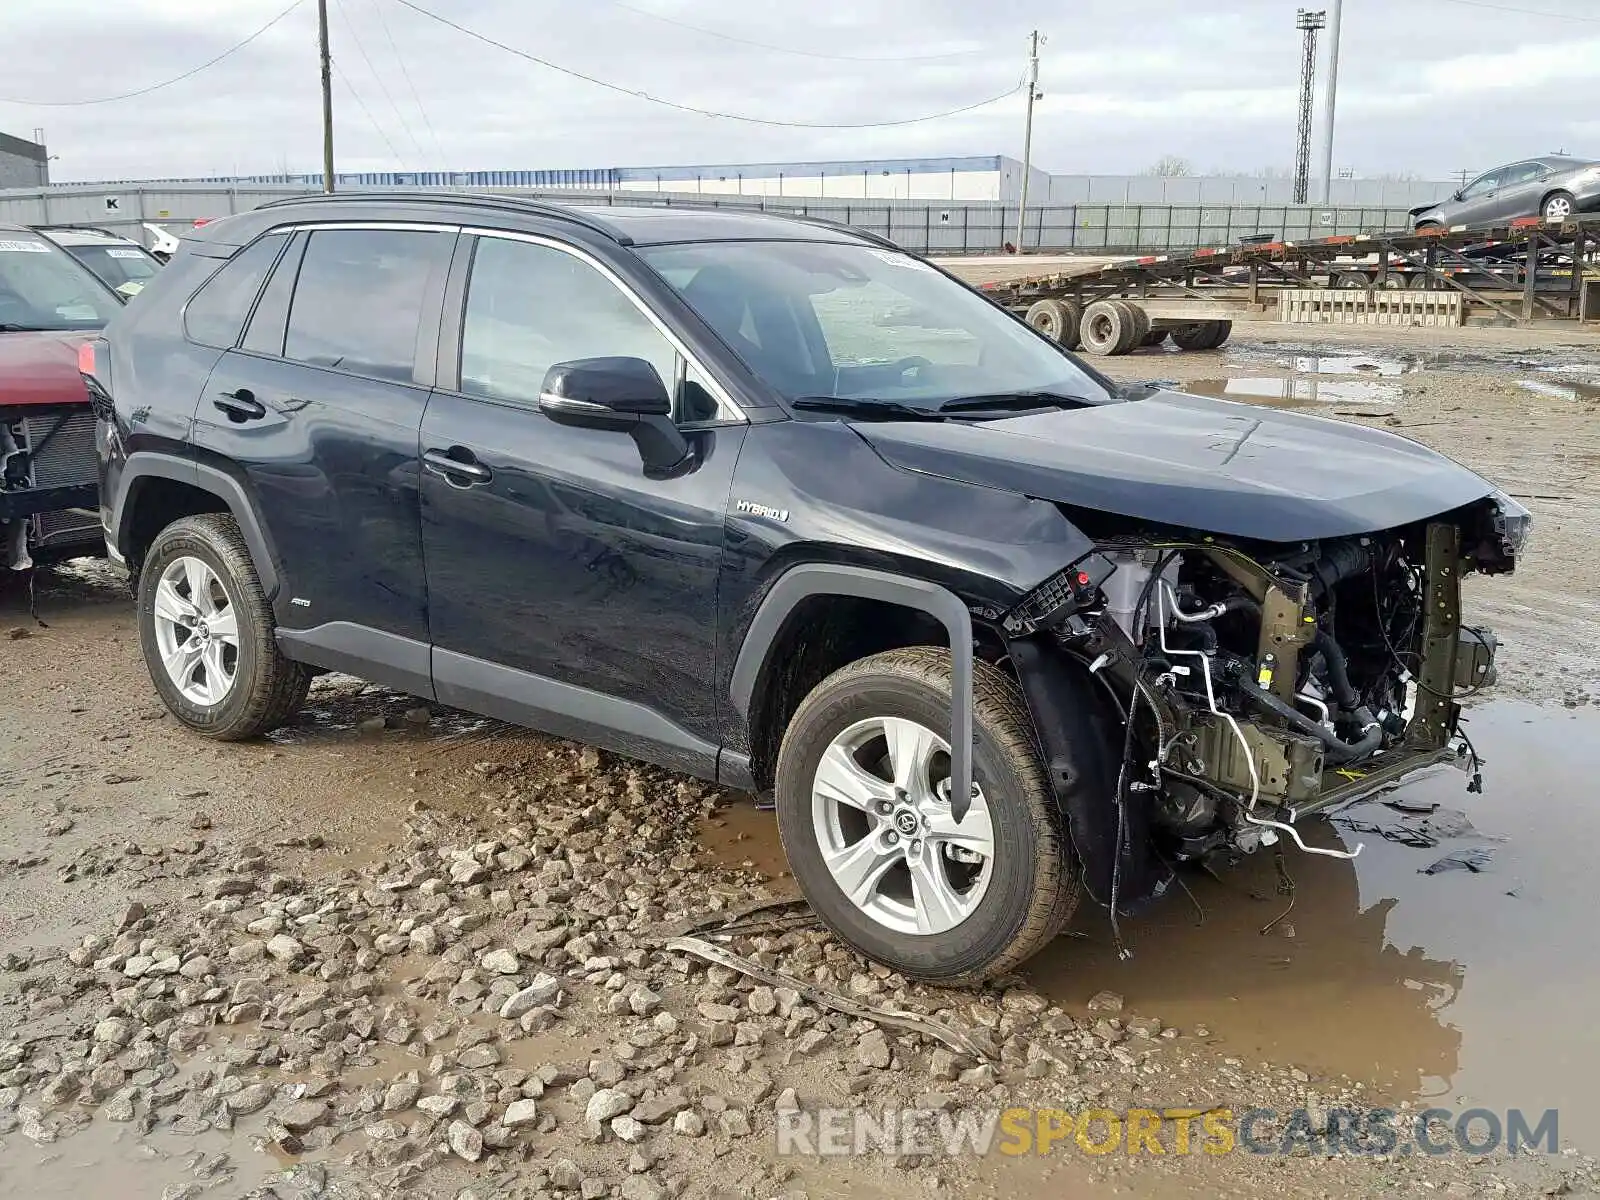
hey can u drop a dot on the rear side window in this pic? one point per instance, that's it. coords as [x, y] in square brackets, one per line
[359, 298]
[218, 310]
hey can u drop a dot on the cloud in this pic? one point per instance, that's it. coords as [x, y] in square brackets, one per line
[1429, 86]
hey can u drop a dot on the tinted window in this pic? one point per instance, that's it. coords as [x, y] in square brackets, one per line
[265, 334]
[218, 311]
[531, 306]
[1482, 185]
[359, 298]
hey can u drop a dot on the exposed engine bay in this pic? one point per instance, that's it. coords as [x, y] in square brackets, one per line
[1258, 683]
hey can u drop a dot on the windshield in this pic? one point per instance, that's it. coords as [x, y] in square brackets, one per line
[854, 322]
[42, 288]
[123, 267]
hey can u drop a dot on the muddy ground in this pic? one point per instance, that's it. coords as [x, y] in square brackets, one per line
[396, 949]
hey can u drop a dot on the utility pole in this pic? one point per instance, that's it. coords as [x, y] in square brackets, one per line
[1309, 23]
[1336, 11]
[1027, 135]
[327, 96]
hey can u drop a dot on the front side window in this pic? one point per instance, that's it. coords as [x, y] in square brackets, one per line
[857, 322]
[218, 310]
[1482, 185]
[531, 306]
[41, 287]
[360, 296]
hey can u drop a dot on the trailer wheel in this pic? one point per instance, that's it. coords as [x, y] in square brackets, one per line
[1392, 283]
[1202, 335]
[1071, 324]
[1049, 317]
[1421, 282]
[1351, 279]
[1108, 328]
[1155, 337]
[1140, 319]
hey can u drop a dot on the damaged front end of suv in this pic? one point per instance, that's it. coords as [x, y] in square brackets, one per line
[1255, 682]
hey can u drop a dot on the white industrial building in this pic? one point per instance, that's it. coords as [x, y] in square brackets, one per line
[23, 164]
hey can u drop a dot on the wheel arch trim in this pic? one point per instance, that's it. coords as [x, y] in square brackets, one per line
[805, 580]
[147, 464]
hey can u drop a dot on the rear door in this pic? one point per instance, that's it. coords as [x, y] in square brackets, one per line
[319, 406]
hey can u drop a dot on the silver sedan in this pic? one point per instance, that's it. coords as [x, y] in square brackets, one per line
[1554, 187]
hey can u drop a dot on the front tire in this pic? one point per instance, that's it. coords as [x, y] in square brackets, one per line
[207, 633]
[862, 793]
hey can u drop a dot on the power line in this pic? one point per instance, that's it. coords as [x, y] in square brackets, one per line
[728, 37]
[156, 87]
[399, 58]
[1527, 12]
[378, 78]
[689, 108]
[362, 104]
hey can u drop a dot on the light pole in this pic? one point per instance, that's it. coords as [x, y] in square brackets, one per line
[1335, 10]
[1027, 135]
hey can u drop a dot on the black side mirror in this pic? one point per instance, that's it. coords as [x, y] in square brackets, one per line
[622, 394]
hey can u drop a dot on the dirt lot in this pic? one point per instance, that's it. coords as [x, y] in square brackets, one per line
[394, 949]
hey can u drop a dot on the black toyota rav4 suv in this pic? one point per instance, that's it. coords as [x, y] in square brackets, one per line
[772, 502]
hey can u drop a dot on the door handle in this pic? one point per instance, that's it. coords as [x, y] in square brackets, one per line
[241, 405]
[455, 464]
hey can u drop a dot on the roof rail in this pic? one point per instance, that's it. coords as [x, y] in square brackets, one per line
[442, 198]
[865, 235]
[68, 227]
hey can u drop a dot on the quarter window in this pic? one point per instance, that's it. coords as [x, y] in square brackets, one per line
[218, 310]
[360, 296]
[531, 306]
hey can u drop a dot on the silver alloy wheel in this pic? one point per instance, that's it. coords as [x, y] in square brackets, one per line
[1559, 208]
[197, 632]
[880, 809]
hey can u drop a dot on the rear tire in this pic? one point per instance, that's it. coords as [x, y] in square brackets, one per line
[1108, 328]
[201, 608]
[1351, 279]
[1155, 337]
[1009, 907]
[1559, 206]
[1057, 320]
[1140, 319]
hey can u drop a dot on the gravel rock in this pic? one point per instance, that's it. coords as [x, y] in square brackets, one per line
[642, 1187]
[542, 990]
[873, 1050]
[250, 1099]
[521, 1112]
[401, 1095]
[438, 1106]
[114, 1031]
[1105, 1002]
[628, 1130]
[303, 1115]
[602, 1107]
[501, 962]
[285, 948]
[689, 1124]
[465, 1141]
[642, 1001]
[763, 1002]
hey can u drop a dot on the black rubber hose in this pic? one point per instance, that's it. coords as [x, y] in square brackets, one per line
[1338, 671]
[1337, 749]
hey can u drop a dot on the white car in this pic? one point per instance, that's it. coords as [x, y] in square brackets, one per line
[121, 263]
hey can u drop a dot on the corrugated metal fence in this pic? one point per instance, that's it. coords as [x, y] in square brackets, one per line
[981, 228]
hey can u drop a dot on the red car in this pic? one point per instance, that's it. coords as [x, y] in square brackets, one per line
[49, 305]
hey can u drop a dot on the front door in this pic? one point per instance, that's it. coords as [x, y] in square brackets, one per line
[567, 590]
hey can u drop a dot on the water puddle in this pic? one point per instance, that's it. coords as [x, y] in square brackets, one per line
[1461, 983]
[1455, 984]
[1562, 389]
[1300, 391]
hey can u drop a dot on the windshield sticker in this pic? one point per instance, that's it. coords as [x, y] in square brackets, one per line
[900, 260]
[77, 312]
[16, 246]
[122, 252]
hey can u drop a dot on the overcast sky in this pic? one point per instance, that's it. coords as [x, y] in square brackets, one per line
[1426, 86]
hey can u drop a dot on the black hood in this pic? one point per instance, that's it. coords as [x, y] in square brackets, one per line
[1195, 463]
